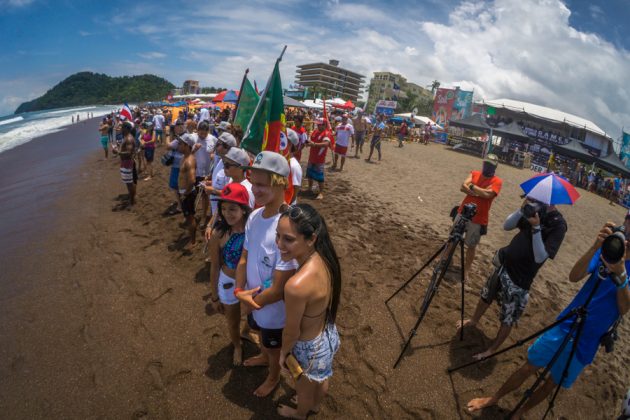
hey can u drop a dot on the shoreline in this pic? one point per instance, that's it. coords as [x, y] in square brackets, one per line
[118, 325]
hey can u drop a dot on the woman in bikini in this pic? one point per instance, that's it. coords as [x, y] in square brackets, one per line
[225, 247]
[311, 298]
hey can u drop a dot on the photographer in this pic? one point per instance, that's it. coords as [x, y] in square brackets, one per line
[480, 187]
[610, 301]
[541, 232]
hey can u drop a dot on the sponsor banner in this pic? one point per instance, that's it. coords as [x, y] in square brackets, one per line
[386, 104]
[443, 106]
[462, 107]
[625, 148]
[385, 111]
[545, 136]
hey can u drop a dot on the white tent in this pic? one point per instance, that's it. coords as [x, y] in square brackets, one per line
[418, 119]
[312, 104]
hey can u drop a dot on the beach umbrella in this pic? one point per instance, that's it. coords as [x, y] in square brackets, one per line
[550, 189]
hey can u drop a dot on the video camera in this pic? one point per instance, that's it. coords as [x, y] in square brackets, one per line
[468, 212]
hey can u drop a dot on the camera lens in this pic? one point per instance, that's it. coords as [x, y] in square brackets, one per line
[613, 247]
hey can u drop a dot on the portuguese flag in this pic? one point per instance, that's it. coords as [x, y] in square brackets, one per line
[268, 121]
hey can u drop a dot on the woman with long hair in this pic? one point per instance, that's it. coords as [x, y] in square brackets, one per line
[148, 144]
[225, 248]
[311, 298]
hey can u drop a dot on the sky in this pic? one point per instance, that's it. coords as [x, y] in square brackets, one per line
[571, 55]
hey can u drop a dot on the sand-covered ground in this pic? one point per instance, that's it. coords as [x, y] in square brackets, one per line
[119, 327]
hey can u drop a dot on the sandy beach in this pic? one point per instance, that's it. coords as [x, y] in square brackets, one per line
[118, 325]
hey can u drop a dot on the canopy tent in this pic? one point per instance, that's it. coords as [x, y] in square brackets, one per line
[574, 149]
[419, 119]
[513, 131]
[309, 103]
[288, 101]
[613, 164]
[474, 122]
[345, 105]
[230, 96]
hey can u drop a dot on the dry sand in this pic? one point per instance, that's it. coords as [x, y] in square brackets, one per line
[119, 326]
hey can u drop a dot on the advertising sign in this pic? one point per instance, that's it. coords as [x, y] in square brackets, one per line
[443, 106]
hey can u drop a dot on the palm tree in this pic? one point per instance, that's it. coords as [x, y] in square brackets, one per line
[434, 86]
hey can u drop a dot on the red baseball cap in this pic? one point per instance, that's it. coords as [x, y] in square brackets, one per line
[235, 193]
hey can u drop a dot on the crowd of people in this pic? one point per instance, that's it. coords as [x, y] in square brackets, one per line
[274, 272]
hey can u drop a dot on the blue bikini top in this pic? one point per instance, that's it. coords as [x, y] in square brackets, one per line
[233, 249]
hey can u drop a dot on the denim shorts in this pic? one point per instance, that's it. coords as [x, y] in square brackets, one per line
[316, 356]
[542, 351]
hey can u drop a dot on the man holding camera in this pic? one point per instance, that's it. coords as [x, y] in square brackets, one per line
[610, 301]
[481, 187]
[541, 232]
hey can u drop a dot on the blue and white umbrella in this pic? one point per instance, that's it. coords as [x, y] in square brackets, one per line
[550, 189]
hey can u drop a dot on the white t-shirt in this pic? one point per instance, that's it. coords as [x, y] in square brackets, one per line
[204, 115]
[263, 257]
[296, 175]
[158, 122]
[248, 186]
[344, 131]
[202, 156]
[219, 180]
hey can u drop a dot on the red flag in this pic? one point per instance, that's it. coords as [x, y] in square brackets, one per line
[126, 112]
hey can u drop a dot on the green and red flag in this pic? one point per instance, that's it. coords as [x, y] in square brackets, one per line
[268, 120]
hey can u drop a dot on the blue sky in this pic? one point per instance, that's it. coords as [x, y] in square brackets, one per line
[571, 55]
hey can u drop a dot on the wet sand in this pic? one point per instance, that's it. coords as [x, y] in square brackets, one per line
[119, 327]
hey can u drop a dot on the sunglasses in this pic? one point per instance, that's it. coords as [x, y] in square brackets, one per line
[294, 212]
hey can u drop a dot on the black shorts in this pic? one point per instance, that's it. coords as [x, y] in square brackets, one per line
[271, 339]
[188, 204]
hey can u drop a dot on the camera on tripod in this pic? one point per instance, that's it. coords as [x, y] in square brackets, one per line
[468, 212]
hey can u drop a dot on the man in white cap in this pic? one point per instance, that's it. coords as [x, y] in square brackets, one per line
[344, 132]
[296, 169]
[261, 268]
[158, 125]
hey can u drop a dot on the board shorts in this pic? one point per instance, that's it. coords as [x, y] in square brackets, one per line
[149, 154]
[188, 204]
[226, 289]
[375, 142]
[542, 351]
[128, 173]
[341, 150]
[173, 179]
[271, 338]
[511, 298]
[316, 356]
[159, 134]
[474, 232]
[104, 141]
[315, 171]
[359, 137]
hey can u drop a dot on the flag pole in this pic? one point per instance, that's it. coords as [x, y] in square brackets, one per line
[263, 95]
[240, 92]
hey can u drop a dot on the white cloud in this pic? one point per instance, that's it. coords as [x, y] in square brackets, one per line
[151, 55]
[85, 33]
[15, 3]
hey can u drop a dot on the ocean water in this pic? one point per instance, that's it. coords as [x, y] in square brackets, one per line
[19, 129]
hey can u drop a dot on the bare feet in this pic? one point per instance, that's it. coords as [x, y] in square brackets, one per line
[267, 387]
[480, 403]
[320, 196]
[314, 410]
[485, 354]
[467, 323]
[237, 356]
[259, 360]
[289, 412]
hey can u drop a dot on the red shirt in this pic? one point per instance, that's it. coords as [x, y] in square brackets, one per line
[483, 204]
[317, 155]
[301, 132]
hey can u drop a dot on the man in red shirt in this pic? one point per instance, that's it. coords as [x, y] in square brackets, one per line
[480, 187]
[319, 143]
[298, 127]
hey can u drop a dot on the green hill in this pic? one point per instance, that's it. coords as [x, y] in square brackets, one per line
[86, 88]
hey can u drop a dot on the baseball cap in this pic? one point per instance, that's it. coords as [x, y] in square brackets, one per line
[228, 139]
[235, 193]
[293, 137]
[186, 139]
[224, 126]
[270, 162]
[492, 159]
[319, 121]
[238, 156]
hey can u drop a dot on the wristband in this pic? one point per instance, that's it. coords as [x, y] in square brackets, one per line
[623, 286]
[535, 229]
[237, 290]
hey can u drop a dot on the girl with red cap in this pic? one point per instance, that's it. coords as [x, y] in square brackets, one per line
[225, 248]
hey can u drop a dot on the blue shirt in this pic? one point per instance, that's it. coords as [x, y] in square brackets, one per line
[617, 183]
[602, 311]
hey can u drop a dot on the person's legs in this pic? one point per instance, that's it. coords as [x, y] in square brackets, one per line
[513, 382]
[469, 258]
[480, 310]
[233, 318]
[306, 399]
[378, 149]
[335, 157]
[320, 194]
[536, 398]
[502, 334]
[343, 161]
[273, 377]
[192, 228]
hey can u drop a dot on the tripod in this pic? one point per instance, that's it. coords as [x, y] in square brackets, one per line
[579, 314]
[455, 240]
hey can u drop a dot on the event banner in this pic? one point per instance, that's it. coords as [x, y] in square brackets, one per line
[443, 105]
[385, 107]
[625, 148]
[463, 105]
